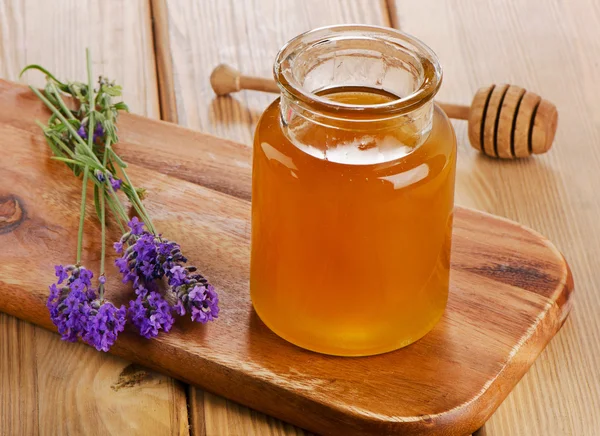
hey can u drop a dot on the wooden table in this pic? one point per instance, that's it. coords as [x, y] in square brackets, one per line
[162, 52]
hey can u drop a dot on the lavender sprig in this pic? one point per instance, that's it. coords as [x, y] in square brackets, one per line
[199, 299]
[149, 258]
[82, 138]
[150, 313]
[77, 312]
[104, 324]
[68, 303]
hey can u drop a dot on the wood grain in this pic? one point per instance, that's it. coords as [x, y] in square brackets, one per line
[214, 415]
[47, 386]
[56, 35]
[550, 48]
[504, 305]
[18, 380]
[246, 34]
[164, 64]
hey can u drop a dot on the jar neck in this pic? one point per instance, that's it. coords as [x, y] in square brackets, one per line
[320, 134]
[313, 66]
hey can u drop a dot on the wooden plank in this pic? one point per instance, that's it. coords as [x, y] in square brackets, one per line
[505, 303]
[48, 386]
[19, 406]
[164, 66]
[246, 34]
[550, 48]
[214, 415]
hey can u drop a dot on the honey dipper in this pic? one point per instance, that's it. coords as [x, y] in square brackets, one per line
[504, 121]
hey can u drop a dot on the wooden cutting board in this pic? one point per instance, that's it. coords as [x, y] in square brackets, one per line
[510, 289]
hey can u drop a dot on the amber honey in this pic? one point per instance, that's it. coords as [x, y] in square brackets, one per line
[352, 193]
[351, 258]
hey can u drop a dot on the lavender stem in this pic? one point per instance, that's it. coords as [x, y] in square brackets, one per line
[82, 214]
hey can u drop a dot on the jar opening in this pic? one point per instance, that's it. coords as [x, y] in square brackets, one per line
[357, 56]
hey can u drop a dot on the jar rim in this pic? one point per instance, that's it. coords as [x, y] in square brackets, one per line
[291, 88]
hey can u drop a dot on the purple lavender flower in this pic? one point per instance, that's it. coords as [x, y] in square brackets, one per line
[118, 246]
[122, 264]
[61, 273]
[136, 226]
[98, 132]
[76, 311]
[204, 303]
[150, 313]
[85, 275]
[198, 298]
[99, 175]
[114, 182]
[69, 305]
[148, 257]
[77, 285]
[104, 323]
[54, 295]
[81, 132]
[147, 268]
[178, 276]
[72, 319]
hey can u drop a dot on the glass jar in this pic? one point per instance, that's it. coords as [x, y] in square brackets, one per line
[352, 193]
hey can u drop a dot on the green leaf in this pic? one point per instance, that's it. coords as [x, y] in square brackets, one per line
[78, 90]
[127, 190]
[63, 86]
[42, 126]
[55, 149]
[59, 128]
[113, 91]
[97, 201]
[121, 106]
[86, 160]
[66, 160]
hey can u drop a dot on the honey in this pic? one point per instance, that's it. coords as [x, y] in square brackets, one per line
[351, 224]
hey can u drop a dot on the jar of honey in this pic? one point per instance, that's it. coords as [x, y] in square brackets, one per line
[352, 193]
